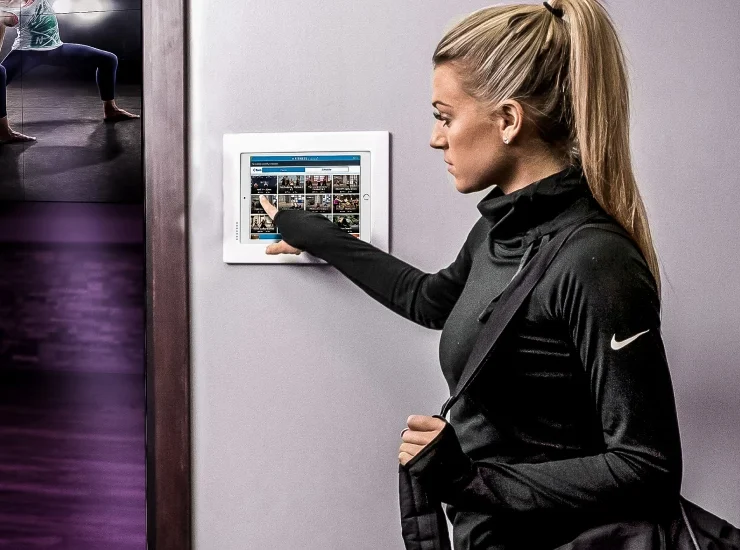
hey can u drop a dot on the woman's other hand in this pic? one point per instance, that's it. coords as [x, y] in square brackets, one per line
[8, 19]
[420, 432]
[281, 247]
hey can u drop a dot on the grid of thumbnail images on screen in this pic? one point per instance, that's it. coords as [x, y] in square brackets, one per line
[335, 196]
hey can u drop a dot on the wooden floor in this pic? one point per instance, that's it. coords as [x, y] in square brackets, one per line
[72, 469]
[72, 307]
[72, 398]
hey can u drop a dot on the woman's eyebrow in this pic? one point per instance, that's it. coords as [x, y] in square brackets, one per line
[438, 102]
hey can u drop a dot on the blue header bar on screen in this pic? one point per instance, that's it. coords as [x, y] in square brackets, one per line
[343, 158]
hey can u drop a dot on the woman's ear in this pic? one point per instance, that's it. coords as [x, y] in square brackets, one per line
[510, 119]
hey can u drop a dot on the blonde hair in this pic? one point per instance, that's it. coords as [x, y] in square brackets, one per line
[570, 76]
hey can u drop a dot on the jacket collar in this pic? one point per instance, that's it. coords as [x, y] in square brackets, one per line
[524, 215]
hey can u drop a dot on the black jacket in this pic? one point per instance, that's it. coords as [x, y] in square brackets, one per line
[576, 425]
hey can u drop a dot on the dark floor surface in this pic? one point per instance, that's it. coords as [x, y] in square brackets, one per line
[72, 397]
[72, 468]
[78, 157]
[72, 308]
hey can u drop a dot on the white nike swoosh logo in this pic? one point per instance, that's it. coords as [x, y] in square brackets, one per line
[619, 345]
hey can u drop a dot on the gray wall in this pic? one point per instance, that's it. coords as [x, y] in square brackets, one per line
[301, 383]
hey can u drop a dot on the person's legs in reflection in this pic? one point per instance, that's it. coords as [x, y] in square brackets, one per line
[39, 39]
[105, 65]
[7, 134]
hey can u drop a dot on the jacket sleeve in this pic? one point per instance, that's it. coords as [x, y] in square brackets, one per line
[608, 298]
[424, 298]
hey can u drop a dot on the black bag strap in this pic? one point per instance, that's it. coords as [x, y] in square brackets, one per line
[509, 302]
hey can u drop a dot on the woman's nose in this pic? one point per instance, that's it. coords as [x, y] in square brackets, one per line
[437, 140]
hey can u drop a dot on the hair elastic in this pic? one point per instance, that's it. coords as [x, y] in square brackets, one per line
[557, 12]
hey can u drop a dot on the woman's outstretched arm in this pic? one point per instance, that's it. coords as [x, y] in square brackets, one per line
[424, 298]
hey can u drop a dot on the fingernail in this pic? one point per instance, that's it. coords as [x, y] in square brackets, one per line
[403, 432]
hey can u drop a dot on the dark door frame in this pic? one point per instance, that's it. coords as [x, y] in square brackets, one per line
[165, 91]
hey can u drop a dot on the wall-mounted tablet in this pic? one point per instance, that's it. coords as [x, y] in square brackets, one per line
[340, 175]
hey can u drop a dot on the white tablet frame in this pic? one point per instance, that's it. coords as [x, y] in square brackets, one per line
[377, 143]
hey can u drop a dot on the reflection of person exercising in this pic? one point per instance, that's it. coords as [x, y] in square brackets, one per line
[7, 134]
[38, 43]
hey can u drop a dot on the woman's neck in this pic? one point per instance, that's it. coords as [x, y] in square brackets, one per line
[531, 163]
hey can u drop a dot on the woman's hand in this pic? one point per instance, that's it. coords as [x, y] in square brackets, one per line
[420, 432]
[8, 19]
[282, 247]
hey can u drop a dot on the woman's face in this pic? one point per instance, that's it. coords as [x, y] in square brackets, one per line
[472, 140]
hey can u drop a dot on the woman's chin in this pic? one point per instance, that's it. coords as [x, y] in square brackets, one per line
[454, 181]
[460, 185]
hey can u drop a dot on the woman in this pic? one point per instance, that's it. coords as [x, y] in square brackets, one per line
[38, 43]
[574, 426]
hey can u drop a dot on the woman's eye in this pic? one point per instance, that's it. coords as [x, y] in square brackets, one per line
[438, 116]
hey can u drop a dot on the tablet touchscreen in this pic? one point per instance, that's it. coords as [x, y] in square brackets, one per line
[326, 184]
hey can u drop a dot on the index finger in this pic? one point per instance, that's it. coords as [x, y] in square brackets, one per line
[268, 207]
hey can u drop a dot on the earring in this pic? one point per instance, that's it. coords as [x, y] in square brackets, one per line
[506, 141]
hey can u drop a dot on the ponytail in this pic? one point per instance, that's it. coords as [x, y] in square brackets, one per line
[601, 111]
[570, 75]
